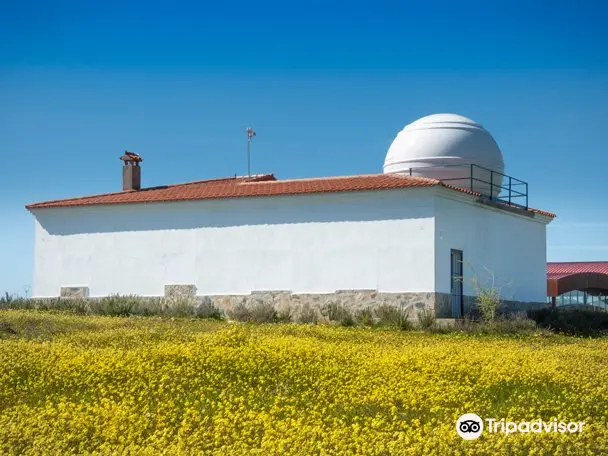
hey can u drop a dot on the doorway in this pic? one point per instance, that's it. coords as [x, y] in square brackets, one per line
[456, 279]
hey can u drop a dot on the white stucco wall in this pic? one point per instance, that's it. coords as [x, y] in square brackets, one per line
[321, 243]
[510, 247]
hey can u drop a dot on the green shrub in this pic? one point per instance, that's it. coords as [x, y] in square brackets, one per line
[508, 324]
[387, 315]
[393, 316]
[239, 312]
[263, 312]
[444, 329]
[332, 311]
[338, 313]
[119, 305]
[307, 314]
[10, 302]
[511, 324]
[206, 309]
[426, 318]
[259, 312]
[576, 322]
[180, 307]
[365, 317]
[517, 324]
[487, 301]
[115, 305]
[72, 305]
[347, 319]
[284, 315]
[6, 329]
[150, 306]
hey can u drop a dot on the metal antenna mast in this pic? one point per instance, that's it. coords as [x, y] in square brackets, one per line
[250, 135]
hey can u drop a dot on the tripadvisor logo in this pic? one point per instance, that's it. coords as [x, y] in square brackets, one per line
[470, 426]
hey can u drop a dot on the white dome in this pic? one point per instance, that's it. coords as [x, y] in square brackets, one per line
[438, 143]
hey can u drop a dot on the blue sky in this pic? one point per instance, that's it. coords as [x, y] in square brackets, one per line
[326, 84]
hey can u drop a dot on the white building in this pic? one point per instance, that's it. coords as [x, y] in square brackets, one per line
[406, 235]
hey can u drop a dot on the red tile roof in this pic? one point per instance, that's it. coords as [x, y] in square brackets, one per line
[557, 270]
[261, 185]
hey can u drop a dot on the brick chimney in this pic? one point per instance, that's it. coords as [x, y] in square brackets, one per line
[131, 171]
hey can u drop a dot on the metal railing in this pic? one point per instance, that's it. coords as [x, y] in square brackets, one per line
[505, 191]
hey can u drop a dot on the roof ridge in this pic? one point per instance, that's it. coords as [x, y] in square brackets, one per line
[257, 177]
[349, 176]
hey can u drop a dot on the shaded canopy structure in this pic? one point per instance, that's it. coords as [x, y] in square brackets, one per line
[577, 283]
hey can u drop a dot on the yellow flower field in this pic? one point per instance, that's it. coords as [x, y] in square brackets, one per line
[108, 385]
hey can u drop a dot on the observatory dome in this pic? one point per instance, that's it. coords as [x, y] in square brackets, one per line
[441, 146]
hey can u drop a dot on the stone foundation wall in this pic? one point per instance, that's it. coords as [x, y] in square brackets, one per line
[180, 291]
[74, 292]
[357, 300]
[352, 300]
[286, 302]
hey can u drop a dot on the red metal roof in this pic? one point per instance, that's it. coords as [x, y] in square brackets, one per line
[556, 270]
[261, 185]
[579, 275]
